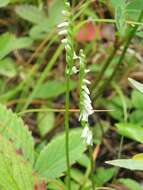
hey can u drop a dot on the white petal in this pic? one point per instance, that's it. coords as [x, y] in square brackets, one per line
[89, 139]
[63, 24]
[85, 132]
[86, 81]
[74, 70]
[64, 41]
[65, 13]
[67, 47]
[87, 70]
[75, 56]
[63, 32]
[86, 98]
[85, 88]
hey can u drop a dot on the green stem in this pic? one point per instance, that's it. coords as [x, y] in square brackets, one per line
[67, 129]
[92, 166]
[131, 35]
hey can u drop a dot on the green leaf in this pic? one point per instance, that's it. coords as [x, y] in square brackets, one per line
[53, 88]
[9, 42]
[103, 175]
[131, 130]
[3, 3]
[55, 11]
[133, 9]
[137, 99]
[137, 85]
[120, 17]
[116, 3]
[31, 13]
[15, 173]
[130, 183]
[127, 163]
[7, 68]
[45, 122]
[51, 162]
[13, 128]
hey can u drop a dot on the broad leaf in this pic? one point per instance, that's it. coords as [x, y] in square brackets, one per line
[127, 163]
[131, 130]
[9, 42]
[15, 173]
[13, 128]
[51, 162]
[8, 68]
[45, 122]
[53, 88]
[31, 13]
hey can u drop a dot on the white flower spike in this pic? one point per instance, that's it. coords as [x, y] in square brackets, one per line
[87, 136]
[86, 108]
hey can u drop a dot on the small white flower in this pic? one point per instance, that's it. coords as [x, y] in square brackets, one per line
[75, 56]
[87, 135]
[65, 13]
[68, 4]
[83, 116]
[64, 41]
[63, 32]
[85, 88]
[67, 47]
[86, 81]
[74, 70]
[86, 99]
[63, 24]
[87, 70]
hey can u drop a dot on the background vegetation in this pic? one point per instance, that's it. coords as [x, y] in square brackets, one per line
[32, 84]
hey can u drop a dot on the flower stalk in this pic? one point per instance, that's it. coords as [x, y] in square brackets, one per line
[66, 30]
[85, 111]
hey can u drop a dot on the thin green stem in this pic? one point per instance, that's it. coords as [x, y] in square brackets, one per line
[130, 36]
[92, 166]
[67, 129]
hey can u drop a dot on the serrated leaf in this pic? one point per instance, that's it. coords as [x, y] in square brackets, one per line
[9, 42]
[15, 173]
[137, 85]
[131, 130]
[13, 128]
[31, 13]
[53, 88]
[51, 162]
[127, 163]
[45, 122]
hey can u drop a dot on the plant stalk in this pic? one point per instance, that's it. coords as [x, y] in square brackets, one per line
[67, 129]
[92, 166]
